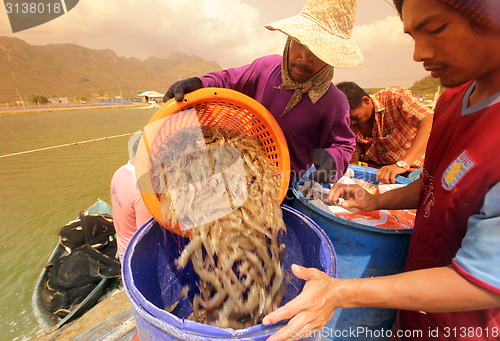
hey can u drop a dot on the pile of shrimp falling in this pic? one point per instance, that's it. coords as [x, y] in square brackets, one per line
[237, 256]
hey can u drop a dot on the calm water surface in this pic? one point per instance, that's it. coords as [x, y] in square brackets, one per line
[40, 192]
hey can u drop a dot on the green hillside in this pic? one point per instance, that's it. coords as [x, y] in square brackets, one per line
[371, 91]
[69, 70]
[427, 85]
[73, 71]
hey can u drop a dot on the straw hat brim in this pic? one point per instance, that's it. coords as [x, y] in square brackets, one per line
[332, 49]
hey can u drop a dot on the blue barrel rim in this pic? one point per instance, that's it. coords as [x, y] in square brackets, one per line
[314, 225]
[187, 326]
[331, 216]
[399, 179]
[415, 174]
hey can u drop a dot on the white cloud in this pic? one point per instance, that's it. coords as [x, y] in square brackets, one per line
[216, 30]
[388, 56]
[381, 34]
[230, 32]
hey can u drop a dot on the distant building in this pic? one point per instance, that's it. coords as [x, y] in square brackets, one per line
[151, 97]
[56, 100]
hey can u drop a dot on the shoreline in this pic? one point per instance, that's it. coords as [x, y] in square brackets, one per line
[7, 112]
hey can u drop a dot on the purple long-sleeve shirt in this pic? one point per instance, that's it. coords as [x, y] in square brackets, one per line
[307, 126]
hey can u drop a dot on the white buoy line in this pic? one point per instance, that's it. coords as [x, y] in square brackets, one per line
[64, 145]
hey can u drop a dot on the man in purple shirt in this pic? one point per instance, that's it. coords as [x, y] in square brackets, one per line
[316, 126]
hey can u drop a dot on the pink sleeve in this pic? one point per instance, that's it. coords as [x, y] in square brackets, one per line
[141, 212]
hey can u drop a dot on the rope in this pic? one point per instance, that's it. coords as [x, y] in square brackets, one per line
[64, 145]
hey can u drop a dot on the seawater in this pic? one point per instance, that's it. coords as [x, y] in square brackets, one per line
[41, 191]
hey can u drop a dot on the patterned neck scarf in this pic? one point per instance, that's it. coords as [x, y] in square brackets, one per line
[316, 86]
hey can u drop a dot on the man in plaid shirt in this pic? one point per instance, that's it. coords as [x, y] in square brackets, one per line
[392, 128]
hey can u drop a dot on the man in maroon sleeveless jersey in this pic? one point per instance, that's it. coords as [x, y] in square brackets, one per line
[450, 289]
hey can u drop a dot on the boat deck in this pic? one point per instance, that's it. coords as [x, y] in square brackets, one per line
[111, 319]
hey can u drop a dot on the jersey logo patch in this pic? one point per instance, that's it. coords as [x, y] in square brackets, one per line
[456, 170]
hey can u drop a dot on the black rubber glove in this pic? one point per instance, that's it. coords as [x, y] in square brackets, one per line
[326, 169]
[182, 87]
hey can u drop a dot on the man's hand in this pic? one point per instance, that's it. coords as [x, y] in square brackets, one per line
[355, 197]
[180, 88]
[387, 174]
[326, 169]
[310, 310]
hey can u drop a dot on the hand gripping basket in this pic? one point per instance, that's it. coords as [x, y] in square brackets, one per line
[213, 107]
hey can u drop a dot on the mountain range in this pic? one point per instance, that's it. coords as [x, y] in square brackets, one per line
[69, 70]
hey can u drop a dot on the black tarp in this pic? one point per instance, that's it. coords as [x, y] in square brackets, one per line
[90, 256]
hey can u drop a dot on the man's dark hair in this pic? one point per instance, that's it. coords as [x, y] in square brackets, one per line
[399, 7]
[134, 140]
[353, 92]
[135, 146]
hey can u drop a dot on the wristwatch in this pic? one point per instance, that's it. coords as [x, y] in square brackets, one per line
[402, 164]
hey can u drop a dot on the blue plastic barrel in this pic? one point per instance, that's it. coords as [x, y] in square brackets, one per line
[362, 251]
[153, 283]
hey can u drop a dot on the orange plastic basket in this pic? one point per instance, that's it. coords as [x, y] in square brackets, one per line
[214, 107]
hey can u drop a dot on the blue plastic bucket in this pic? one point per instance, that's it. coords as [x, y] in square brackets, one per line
[362, 251]
[153, 283]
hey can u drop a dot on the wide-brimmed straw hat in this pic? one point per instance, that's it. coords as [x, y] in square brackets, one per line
[325, 27]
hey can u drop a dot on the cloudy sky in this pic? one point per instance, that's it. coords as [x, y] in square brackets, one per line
[230, 32]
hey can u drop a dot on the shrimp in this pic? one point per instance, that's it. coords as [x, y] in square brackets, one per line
[194, 244]
[237, 256]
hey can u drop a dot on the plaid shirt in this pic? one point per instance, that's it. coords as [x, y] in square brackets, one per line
[397, 116]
